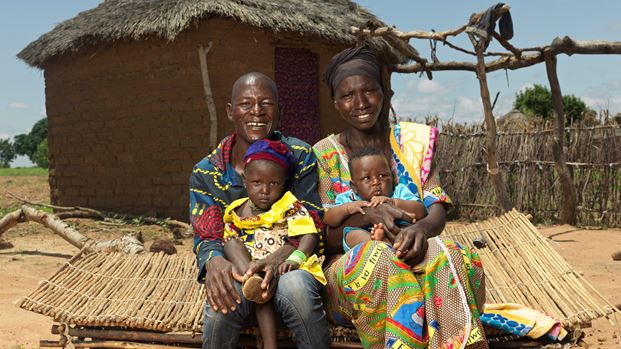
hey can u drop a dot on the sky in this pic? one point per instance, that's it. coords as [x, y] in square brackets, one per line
[450, 95]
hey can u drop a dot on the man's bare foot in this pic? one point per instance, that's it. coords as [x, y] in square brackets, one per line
[377, 233]
[252, 289]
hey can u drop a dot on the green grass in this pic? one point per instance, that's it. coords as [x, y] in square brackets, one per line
[23, 171]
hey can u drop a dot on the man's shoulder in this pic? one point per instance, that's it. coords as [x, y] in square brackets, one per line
[293, 141]
[299, 147]
[215, 159]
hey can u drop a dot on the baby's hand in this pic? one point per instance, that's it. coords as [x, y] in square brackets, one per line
[378, 200]
[287, 266]
[356, 207]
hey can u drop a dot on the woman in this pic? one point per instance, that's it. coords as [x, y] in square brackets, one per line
[407, 296]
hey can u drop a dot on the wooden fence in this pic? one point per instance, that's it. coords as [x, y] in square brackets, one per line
[593, 155]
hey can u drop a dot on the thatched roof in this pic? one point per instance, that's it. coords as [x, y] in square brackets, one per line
[115, 20]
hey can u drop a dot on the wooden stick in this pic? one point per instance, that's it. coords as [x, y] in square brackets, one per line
[211, 105]
[134, 336]
[85, 212]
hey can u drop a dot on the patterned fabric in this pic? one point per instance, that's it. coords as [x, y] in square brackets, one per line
[214, 184]
[410, 155]
[273, 151]
[434, 305]
[394, 306]
[522, 321]
[265, 233]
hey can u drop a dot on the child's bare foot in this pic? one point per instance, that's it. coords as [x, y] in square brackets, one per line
[377, 233]
[252, 289]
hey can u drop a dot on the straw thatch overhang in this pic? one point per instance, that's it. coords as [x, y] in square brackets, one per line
[120, 20]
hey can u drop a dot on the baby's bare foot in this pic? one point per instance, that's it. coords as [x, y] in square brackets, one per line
[377, 233]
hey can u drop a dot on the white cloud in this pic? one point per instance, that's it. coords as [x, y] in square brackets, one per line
[430, 86]
[4, 136]
[524, 87]
[43, 112]
[467, 105]
[18, 105]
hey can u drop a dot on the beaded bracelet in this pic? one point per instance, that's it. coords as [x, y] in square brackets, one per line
[297, 256]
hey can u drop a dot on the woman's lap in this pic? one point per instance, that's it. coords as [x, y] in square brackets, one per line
[388, 302]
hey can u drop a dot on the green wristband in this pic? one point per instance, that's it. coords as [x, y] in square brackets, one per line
[297, 256]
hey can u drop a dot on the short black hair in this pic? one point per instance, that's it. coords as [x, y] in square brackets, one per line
[366, 151]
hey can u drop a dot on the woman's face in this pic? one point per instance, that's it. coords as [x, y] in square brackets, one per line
[358, 98]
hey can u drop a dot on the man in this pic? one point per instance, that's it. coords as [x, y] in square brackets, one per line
[215, 182]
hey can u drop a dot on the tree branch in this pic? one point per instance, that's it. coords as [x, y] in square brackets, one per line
[128, 243]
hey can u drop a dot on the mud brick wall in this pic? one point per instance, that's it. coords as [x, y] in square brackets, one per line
[128, 120]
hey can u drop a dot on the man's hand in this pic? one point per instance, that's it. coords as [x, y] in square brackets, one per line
[267, 267]
[219, 283]
[411, 244]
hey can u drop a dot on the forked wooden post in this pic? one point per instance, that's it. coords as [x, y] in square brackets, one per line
[569, 199]
[502, 198]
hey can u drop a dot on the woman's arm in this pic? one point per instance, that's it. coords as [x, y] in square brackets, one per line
[411, 206]
[385, 214]
[335, 215]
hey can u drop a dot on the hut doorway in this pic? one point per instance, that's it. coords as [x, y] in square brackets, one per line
[296, 73]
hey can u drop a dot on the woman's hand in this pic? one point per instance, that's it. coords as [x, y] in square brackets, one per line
[378, 200]
[387, 214]
[411, 244]
[356, 207]
[219, 284]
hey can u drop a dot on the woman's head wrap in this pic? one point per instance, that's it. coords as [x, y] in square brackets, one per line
[274, 151]
[352, 61]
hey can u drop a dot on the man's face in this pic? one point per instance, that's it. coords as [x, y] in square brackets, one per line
[253, 109]
[264, 182]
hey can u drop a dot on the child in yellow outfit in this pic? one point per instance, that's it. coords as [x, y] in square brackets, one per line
[259, 225]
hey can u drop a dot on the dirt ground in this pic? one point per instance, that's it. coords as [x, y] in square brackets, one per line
[38, 253]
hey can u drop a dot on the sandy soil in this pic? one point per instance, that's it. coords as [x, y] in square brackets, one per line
[38, 253]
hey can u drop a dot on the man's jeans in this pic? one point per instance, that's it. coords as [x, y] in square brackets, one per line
[297, 301]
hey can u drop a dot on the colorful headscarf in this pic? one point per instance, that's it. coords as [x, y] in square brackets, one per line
[274, 151]
[352, 61]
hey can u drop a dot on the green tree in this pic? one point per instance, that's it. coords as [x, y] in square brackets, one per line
[27, 143]
[7, 153]
[40, 156]
[536, 101]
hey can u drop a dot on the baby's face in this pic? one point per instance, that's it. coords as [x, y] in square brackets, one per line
[371, 176]
[264, 182]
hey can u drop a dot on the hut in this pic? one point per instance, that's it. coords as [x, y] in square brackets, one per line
[136, 90]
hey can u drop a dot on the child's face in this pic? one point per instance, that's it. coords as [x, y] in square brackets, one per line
[371, 176]
[264, 182]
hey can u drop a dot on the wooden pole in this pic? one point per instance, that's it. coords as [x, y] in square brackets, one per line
[490, 124]
[211, 106]
[570, 198]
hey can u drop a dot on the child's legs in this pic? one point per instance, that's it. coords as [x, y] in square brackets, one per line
[352, 236]
[268, 321]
